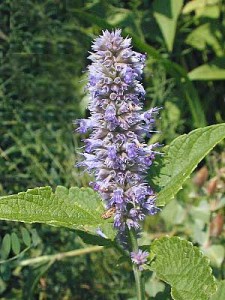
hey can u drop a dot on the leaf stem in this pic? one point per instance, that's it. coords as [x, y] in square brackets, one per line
[59, 256]
[140, 289]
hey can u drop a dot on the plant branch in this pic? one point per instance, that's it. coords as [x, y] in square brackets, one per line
[60, 256]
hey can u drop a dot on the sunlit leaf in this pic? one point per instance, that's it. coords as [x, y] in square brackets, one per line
[207, 35]
[214, 70]
[166, 13]
[198, 4]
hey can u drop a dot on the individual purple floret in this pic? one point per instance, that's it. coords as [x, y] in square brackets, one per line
[139, 258]
[115, 151]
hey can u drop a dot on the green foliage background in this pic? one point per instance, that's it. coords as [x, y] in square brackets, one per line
[43, 50]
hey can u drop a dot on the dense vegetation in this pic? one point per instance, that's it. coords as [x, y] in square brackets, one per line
[43, 50]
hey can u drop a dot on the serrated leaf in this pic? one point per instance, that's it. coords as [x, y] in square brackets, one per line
[220, 293]
[75, 208]
[181, 158]
[166, 13]
[184, 267]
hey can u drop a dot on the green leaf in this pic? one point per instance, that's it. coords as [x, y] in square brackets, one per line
[198, 4]
[181, 158]
[215, 70]
[220, 294]
[193, 5]
[79, 209]
[154, 286]
[15, 243]
[184, 267]
[92, 18]
[35, 237]
[216, 254]
[208, 35]
[6, 246]
[166, 13]
[173, 213]
[26, 236]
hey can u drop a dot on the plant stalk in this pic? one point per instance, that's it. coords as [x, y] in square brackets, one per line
[140, 288]
[59, 256]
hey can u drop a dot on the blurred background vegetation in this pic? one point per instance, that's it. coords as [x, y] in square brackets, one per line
[43, 50]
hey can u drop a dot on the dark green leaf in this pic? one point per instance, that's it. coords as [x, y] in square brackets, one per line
[6, 246]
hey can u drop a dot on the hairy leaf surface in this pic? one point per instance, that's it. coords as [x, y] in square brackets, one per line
[75, 208]
[181, 158]
[184, 267]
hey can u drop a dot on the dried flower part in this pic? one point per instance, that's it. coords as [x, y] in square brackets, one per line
[115, 150]
[216, 225]
[212, 186]
[201, 176]
[139, 258]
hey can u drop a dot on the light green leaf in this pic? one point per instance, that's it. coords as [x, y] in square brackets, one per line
[214, 70]
[216, 255]
[207, 35]
[193, 5]
[220, 294]
[198, 4]
[184, 267]
[201, 212]
[166, 13]
[153, 286]
[173, 213]
[181, 158]
[79, 209]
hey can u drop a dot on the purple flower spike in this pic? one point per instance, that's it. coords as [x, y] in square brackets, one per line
[115, 149]
[139, 258]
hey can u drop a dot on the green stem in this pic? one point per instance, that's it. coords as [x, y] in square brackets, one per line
[59, 256]
[140, 288]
